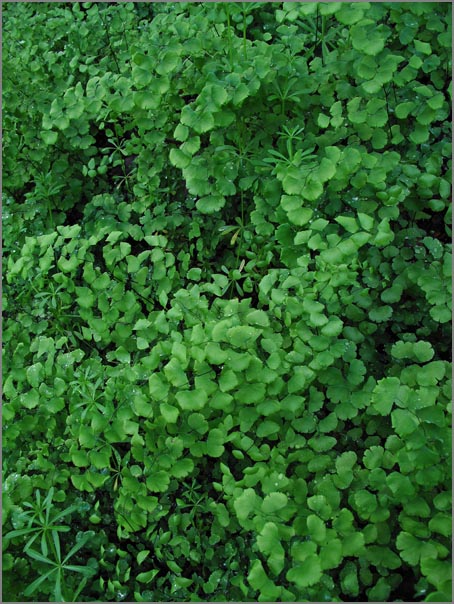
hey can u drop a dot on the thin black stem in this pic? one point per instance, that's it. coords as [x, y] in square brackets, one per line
[316, 27]
[387, 111]
[112, 52]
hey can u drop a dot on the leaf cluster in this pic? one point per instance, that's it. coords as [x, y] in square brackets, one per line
[227, 301]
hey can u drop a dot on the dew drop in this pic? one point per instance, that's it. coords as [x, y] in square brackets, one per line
[121, 595]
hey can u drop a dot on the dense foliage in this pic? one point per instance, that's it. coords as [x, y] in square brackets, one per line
[227, 306]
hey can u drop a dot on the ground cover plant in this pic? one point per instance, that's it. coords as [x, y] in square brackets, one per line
[227, 304]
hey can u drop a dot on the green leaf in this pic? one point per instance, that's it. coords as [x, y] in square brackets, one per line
[168, 62]
[366, 221]
[353, 544]
[300, 550]
[350, 13]
[367, 67]
[201, 121]
[241, 93]
[365, 503]
[331, 554]
[343, 523]
[404, 422]
[218, 94]
[157, 387]
[385, 393]
[81, 483]
[384, 235]
[434, 246]
[319, 225]
[49, 137]
[322, 443]
[274, 502]
[296, 212]
[323, 120]
[37, 582]
[30, 400]
[169, 413]
[442, 501]
[348, 222]
[345, 462]
[198, 423]
[403, 109]
[142, 407]
[181, 132]
[194, 274]
[437, 101]
[55, 405]
[317, 319]
[142, 343]
[174, 373]
[122, 355]
[306, 573]
[142, 555]
[101, 459]
[423, 351]
[438, 596]
[80, 459]
[221, 400]
[441, 523]
[145, 99]
[420, 134]
[259, 581]
[393, 294]
[380, 314]
[373, 457]
[269, 544]
[325, 171]
[441, 314]
[125, 249]
[179, 159]
[302, 237]
[210, 203]
[182, 468]
[228, 380]
[413, 550]
[158, 481]
[266, 428]
[258, 317]
[68, 265]
[432, 415]
[148, 576]
[402, 350]
[356, 372]
[401, 486]
[333, 328]
[422, 47]
[349, 579]
[35, 374]
[312, 188]
[245, 504]
[215, 442]
[299, 379]
[102, 282]
[215, 354]
[85, 297]
[242, 336]
[367, 37]
[192, 400]
[316, 528]
[86, 437]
